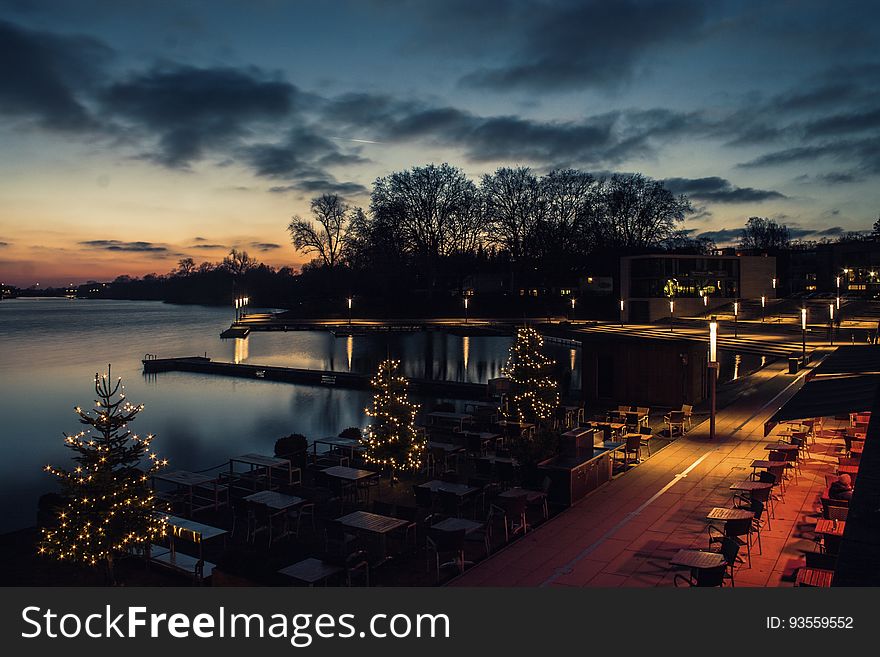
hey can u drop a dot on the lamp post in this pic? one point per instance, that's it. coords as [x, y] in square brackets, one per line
[763, 305]
[349, 311]
[735, 313]
[465, 310]
[671, 314]
[705, 301]
[621, 313]
[572, 308]
[831, 324]
[713, 373]
[804, 334]
[774, 286]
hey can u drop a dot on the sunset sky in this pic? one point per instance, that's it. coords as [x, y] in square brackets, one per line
[134, 134]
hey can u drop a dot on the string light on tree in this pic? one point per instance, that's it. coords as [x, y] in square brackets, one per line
[110, 507]
[534, 395]
[391, 440]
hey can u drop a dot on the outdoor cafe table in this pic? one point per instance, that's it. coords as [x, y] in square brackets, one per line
[354, 475]
[457, 524]
[189, 530]
[311, 571]
[440, 417]
[524, 427]
[758, 464]
[826, 527]
[275, 500]
[373, 523]
[697, 559]
[351, 445]
[435, 486]
[851, 470]
[258, 462]
[725, 514]
[781, 447]
[749, 486]
[190, 481]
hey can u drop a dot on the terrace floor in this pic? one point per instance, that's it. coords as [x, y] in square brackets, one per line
[625, 533]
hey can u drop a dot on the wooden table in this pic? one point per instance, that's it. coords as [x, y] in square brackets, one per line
[851, 470]
[350, 445]
[697, 559]
[826, 527]
[814, 577]
[349, 474]
[449, 448]
[724, 514]
[748, 486]
[373, 523]
[446, 417]
[269, 464]
[275, 500]
[524, 427]
[435, 486]
[311, 571]
[457, 524]
[781, 447]
[190, 482]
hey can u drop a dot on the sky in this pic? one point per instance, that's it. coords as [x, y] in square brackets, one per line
[135, 134]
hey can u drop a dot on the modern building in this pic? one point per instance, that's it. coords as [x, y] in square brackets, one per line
[649, 283]
[852, 268]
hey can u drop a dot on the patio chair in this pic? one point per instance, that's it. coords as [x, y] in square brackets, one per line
[768, 477]
[688, 411]
[483, 468]
[442, 542]
[757, 507]
[644, 412]
[735, 529]
[241, 520]
[514, 512]
[632, 422]
[338, 543]
[704, 577]
[450, 504]
[506, 473]
[675, 420]
[647, 433]
[475, 444]
[306, 510]
[357, 566]
[424, 498]
[633, 446]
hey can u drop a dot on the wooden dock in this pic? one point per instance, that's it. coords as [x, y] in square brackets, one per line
[322, 378]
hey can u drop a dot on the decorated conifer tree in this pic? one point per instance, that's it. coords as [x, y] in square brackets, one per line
[110, 506]
[534, 395]
[391, 440]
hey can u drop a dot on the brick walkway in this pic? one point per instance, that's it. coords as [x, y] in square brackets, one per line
[625, 533]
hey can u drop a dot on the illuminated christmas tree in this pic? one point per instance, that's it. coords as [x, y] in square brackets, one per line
[391, 440]
[110, 506]
[534, 395]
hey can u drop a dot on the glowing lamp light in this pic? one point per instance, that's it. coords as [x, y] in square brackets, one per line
[349, 303]
[763, 302]
[831, 311]
[713, 341]
[672, 306]
[735, 308]
[621, 305]
[803, 319]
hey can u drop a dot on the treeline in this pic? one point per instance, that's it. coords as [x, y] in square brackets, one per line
[430, 227]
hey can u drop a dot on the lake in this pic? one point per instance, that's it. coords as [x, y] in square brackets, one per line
[52, 348]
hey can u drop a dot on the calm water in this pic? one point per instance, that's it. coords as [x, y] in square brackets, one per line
[51, 349]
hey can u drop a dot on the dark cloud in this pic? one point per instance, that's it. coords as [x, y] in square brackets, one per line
[598, 43]
[44, 76]
[192, 109]
[831, 232]
[322, 186]
[117, 245]
[265, 246]
[719, 190]
[209, 246]
[839, 124]
[2, 244]
[862, 154]
[723, 236]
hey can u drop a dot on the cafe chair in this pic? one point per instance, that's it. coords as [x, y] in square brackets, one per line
[647, 433]
[305, 511]
[633, 446]
[739, 530]
[443, 542]
[703, 577]
[513, 510]
[675, 420]
[688, 411]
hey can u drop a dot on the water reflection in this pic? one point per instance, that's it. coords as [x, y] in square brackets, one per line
[573, 357]
[736, 363]
[466, 352]
[349, 349]
[241, 350]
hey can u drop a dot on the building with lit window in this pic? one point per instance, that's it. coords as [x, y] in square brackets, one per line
[648, 283]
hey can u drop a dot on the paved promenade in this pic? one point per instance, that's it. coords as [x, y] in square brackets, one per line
[625, 533]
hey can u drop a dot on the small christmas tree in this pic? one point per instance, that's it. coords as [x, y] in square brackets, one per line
[110, 506]
[534, 395]
[392, 440]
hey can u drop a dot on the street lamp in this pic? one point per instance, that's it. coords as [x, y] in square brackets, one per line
[804, 334]
[572, 308]
[763, 305]
[465, 310]
[621, 313]
[713, 373]
[705, 301]
[831, 324]
[735, 313]
[671, 314]
[349, 311]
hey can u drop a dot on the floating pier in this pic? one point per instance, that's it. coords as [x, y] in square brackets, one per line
[323, 378]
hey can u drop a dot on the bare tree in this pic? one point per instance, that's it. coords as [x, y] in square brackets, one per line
[640, 212]
[514, 208]
[761, 234]
[327, 235]
[239, 262]
[435, 209]
[185, 267]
